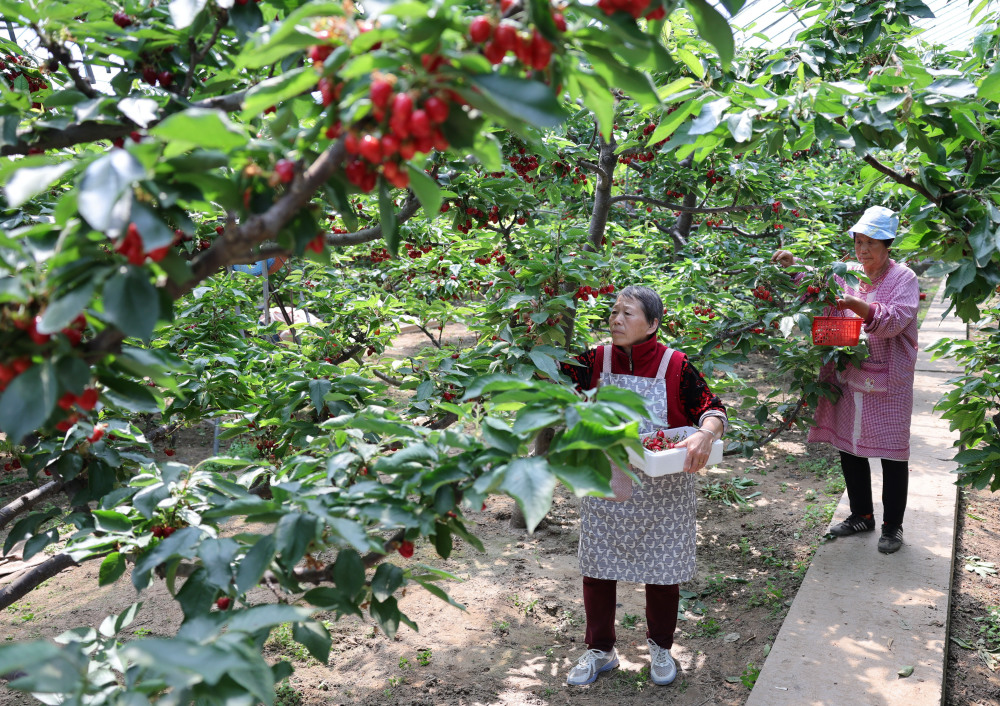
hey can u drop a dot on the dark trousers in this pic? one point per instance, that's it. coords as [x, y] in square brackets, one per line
[599, 599]
[895, 480]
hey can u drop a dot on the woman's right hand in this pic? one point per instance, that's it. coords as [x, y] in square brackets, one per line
[783, 258]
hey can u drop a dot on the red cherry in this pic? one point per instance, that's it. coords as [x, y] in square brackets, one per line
[169, 452]
[559, 20]
[437, 109]
[149, 74]
[121, 19]
[506, 38]
[222, 603]
[88, 400]
[67, 400]
[420, 124]
[380, 93]
[481, 29]
[35, 335]
[285, 169]
[165, 78]
[371, 149]
[319, 52]
[406, 549]
[493, 52]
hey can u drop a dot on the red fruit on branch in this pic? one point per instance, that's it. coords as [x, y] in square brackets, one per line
[285, 170]
[149, 74]
[97, 433]
[223, 603]
[405, 549]
[493, 52]
[371, 149]
[318, 53]
[67, 401]
[559, 20]
[166, 78]
[169, 452]
[88, 400]
[437, 109]
[420, 124]
[317, 244]
[35, 335]
[481, 29]
[121, 19]
[380, 93]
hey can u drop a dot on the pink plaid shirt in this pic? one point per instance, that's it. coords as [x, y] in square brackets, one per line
[872, 417]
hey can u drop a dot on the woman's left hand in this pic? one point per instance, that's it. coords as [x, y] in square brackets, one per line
[858, 306]
[699, 446]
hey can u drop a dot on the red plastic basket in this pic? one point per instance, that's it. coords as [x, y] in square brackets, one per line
[836, 331]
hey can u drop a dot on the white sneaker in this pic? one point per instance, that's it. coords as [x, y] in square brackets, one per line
[662, 669]
[592, 663]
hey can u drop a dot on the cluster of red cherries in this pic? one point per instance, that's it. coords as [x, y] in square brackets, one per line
[763, 293]
[658, 442]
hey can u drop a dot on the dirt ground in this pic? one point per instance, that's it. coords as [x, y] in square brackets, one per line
[759, 521]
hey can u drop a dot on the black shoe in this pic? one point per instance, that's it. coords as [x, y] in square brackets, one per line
[891, 539]
[853, 525]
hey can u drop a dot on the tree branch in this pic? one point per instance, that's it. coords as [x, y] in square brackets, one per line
[63, 56]
[21, 587]
[642, 198]
[366, 235]
[198, 54]
[901, 179]
[93, 131]
[27, 501]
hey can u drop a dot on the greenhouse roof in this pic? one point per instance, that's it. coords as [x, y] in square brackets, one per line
[952, 24]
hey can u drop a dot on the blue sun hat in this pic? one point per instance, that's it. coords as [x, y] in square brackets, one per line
[877, 222]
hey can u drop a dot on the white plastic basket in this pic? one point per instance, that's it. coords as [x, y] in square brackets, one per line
[659, 463]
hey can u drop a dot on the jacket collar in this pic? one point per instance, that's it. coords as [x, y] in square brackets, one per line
[643, 355]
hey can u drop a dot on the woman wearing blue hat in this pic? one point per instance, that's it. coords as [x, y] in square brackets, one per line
[871, 419]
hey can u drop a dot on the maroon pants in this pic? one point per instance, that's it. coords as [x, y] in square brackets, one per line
[599, 599]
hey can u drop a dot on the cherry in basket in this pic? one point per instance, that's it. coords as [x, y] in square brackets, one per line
[658, 442]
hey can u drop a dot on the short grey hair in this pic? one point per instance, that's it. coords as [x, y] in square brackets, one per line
[652, 305]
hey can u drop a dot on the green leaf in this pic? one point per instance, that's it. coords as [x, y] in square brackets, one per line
[713, 27]
[349, 572]
[426, 190]
[709, 117]
[274, 90]
[386, 614]
[531, 483]
[253, 565]
[989, 89]
[905, 672]
[110, 521]
[131, 302]
[206, 128]
[129, 395]
[112, 567]
[28, 401]
[63, 310]
[387, 578]
[314, 637]
[105, 181]
[27, 183]
[528, 101]
[387, 218]
[545, 363]
[267, 616]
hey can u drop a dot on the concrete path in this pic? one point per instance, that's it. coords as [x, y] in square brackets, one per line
[861, 616]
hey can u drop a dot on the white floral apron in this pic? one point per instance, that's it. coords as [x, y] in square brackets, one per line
[648, 537]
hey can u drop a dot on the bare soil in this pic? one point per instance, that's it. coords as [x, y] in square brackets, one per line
[522, 627]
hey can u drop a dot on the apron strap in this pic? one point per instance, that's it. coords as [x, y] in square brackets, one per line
[607, 360]
[664, 362]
